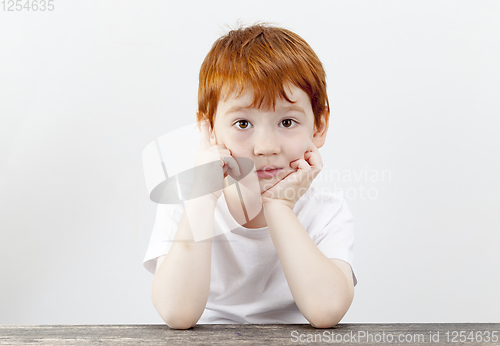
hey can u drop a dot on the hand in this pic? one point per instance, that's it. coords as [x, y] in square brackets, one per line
[288, 190]
[213, 163]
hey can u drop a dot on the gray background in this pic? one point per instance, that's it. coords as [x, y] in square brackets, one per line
[413, 87]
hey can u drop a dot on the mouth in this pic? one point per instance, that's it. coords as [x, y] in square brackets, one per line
[267, 172]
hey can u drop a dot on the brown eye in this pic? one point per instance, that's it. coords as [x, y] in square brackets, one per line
[242, 124]
[287, 123]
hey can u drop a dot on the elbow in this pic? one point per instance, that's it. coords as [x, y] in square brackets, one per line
[176, 317]
[178, 322]
[329, 314]
[326, 320]
[328, 317]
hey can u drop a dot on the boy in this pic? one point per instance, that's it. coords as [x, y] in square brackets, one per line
[283, 253]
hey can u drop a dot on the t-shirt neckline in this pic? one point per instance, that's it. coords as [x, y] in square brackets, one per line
[239, 229]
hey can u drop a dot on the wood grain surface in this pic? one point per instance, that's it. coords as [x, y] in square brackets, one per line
[256, 334]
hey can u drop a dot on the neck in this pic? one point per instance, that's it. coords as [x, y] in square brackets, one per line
[257, 222]
[253, 206]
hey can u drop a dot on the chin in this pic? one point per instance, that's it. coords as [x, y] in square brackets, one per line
[266, 184]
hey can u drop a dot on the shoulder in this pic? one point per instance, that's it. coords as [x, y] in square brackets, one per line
[330, 224]
[323, 211]
[320, 200]
[166, 214]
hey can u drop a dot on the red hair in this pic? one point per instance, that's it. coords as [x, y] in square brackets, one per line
[265, 58]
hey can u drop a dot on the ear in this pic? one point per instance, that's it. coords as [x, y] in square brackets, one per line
[213, 139]
[201, 117]
[319, 136]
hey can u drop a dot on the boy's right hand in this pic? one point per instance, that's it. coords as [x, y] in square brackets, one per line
[212, 175]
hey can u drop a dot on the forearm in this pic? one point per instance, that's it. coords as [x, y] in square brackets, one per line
[319, 288]
[182, 282]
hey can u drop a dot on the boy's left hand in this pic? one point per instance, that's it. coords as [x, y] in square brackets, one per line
[288, 190]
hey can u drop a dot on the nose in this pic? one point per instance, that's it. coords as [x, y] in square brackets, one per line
[266, 143]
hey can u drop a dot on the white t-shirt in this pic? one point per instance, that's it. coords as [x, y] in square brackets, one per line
[247, 283]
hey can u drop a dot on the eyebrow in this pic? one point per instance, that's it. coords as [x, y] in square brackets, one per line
[235, 109]
[291, 107]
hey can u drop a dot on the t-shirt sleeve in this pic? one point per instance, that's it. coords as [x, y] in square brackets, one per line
[167, 220]
[333, 228]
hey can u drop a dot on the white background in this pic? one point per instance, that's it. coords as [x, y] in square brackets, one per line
[413, 87]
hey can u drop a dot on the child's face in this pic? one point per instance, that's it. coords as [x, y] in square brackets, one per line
[269, 138]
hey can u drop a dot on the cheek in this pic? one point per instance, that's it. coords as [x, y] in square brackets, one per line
[237, 146]
[297, 148]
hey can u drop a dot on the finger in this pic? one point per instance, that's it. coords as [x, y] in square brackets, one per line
[315, 163]
[302, 171]
[204, 135]
[300, 164]
[314, 158]
[227, 157]
[312, 146]
[233, 165]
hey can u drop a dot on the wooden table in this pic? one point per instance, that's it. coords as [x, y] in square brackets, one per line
[256, 334]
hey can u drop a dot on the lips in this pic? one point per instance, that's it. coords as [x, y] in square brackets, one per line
[267, 172]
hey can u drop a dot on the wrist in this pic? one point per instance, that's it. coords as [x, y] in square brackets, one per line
[278, 204]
